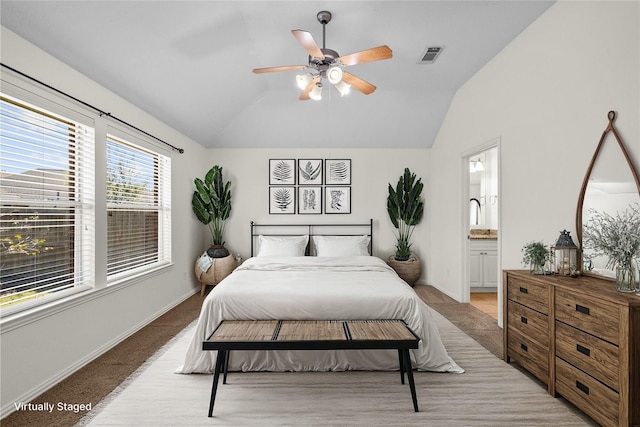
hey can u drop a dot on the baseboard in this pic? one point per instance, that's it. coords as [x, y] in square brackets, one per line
[9, 408]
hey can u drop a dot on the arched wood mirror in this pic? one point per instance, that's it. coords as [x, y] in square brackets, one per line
[610, 185]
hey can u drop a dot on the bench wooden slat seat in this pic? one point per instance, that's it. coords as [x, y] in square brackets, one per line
[312, 335]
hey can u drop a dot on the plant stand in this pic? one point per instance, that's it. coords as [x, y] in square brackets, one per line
[408, 270]
[220, 268]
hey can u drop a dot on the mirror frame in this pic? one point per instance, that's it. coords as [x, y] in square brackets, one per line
[610, 128]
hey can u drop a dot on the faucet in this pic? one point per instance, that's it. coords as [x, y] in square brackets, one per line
[478, 208]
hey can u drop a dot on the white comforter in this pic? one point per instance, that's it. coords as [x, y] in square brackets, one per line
[316, 288]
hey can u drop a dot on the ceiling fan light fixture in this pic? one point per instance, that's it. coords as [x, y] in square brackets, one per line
[324, 63]
[316, 92]
[343, 88]
[303, 80]
[334, 74]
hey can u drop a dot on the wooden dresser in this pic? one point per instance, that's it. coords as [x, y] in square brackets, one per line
[580, 337]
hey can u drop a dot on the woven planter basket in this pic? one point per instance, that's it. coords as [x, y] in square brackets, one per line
[220, 269]
[409, 270]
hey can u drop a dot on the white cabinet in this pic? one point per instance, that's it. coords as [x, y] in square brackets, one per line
[483, 263]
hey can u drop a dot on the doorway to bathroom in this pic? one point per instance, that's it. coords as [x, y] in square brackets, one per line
[482, 225]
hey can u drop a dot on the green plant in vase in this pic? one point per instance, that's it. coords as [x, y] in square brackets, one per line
[535, 255]
[405, 207]
[211, 202]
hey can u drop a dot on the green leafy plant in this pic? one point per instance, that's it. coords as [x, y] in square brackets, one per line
[535, 255]
[211, 202]
[405, 207]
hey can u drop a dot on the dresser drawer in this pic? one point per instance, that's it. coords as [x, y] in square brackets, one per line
[590, 395]
[529, 354]
[589, 314]
[529, 323]
[529, 294]
[588, 353]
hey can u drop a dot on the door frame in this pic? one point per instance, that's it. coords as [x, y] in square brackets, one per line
[465, 157]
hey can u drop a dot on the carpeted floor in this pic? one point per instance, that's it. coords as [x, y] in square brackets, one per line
[101, 376]
[489, 393]
[97, 379]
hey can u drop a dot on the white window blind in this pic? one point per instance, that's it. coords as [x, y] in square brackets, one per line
[138, 209]
[46, 205]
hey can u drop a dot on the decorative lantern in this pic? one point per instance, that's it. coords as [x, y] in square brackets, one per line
[565, 254]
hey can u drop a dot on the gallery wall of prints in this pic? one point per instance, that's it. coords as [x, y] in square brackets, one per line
[309, 186]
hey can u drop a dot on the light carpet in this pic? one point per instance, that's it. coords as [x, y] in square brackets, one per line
[490, 393]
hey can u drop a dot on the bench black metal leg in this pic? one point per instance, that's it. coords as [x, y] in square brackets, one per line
[216, 377]
[412, 385]
[401, 362]
[226, 366]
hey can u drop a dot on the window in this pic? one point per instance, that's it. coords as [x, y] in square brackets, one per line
[138, 209]
[46, 205]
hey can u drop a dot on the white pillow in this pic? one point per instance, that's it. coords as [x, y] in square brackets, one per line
[339, 246]
[282, 246]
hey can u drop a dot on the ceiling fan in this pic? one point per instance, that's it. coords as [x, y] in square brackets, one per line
[326, 63]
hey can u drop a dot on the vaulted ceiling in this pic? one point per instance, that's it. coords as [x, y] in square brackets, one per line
[189, 63]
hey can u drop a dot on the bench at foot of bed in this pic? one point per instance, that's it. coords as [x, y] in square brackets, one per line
[311, 335]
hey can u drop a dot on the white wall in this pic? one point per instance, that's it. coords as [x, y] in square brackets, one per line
[40, 350]
[546, 97]
[372, 170]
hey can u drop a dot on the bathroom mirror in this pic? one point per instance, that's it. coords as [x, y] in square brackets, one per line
[610, 185]
[483, 189]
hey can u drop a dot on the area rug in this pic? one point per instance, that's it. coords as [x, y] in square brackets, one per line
[490, 393]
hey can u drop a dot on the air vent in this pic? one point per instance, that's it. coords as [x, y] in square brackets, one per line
[430, 55]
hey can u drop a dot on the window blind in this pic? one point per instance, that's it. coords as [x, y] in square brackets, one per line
[138, 208]
[46, 205]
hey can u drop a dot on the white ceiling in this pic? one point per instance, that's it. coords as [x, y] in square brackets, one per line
[189, 63]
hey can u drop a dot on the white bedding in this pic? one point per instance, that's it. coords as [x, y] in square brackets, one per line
[316, 288]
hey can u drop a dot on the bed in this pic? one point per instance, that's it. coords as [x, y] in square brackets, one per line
[315, 272]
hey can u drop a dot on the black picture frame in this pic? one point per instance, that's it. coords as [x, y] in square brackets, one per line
[337, 199]
[310, 171]
[282, 200]
[337, 171]
[310, 200]
[282, 172]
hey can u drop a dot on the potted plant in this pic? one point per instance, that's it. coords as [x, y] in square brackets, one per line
[535, 255]
[405, 207]
[211, 202]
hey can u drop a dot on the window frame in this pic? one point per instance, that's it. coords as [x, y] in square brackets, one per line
[82, 207]
[162, 205]
[23, 314]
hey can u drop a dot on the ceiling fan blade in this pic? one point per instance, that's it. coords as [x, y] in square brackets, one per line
[306, 39]
[282, 68]
[305, 93]
[357, 83]
[373, 54]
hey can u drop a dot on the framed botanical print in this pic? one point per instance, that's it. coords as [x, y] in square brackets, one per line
[309, 200]
[337, 171]
[337, 200]
[282, 171]
[309, 171]
[282, 200]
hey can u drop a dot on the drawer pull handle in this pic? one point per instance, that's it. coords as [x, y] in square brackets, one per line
[583, 350]
[524, 320]
[583, 388]
[524, 290]
[524, 347]
[582, 309]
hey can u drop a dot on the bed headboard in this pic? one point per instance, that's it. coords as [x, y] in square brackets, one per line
[356, 229]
